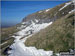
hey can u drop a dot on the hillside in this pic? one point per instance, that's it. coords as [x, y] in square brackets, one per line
[50, 14]
[6, 37]
[41, 33]
[58, 36]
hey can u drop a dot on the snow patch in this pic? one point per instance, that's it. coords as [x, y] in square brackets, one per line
[47, 10]
[66, 4]
[73, 1]
[72, 11]
[36, 20]
[3, 43]
[23, 22]
[58, 54]
[40, 11]
[19, 48]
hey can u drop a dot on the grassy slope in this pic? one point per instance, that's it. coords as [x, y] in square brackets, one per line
[57, 37]
[7, 32]
[5, 37]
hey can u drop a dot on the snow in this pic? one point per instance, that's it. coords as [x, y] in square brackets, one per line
[3, 43]
[19, 48]
[47, 10]
[23, 22]
[72, 11]
[73, 1]
[66, 4]
[40, 11]
[36, 20]
[57, 54]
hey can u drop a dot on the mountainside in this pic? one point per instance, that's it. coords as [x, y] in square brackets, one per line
[50, 14]
[41, 33]
[58, 36]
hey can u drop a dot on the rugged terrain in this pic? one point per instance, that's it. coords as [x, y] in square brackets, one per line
[57, 37]
[42, 33]
[60, 35]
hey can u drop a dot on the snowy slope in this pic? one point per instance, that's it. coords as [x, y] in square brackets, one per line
[19, 49]
[27, 29]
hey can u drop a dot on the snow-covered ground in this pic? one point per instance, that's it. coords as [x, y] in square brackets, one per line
[19, 48]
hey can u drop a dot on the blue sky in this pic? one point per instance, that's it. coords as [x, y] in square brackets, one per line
[12, 12]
